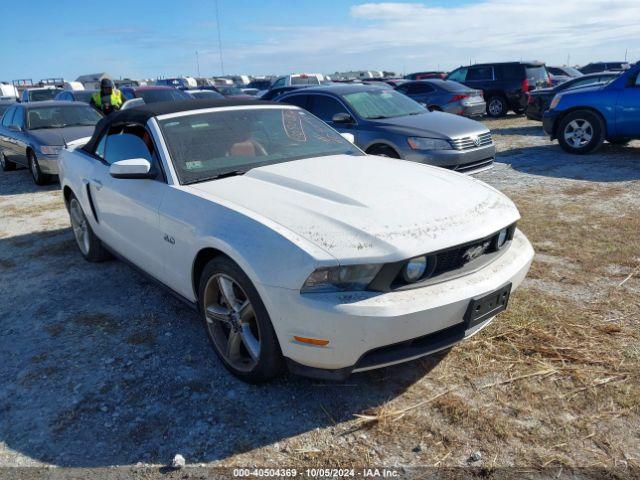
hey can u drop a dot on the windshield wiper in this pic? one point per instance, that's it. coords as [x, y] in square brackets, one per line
[378, 117]
[232, 173]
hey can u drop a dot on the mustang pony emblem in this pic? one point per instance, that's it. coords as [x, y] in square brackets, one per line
[474, 252]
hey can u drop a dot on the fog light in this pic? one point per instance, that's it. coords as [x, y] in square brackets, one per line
[414, 269]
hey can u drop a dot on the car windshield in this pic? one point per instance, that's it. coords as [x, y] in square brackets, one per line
[61, 116]
[451, 86]
[537, 75]
[44, 94]
[210, 94]
[377, 104]
[4, 107]
[205, 146]
[229, 90]
[84, 95]
[162, 95]
[574, 72]
[305, 80]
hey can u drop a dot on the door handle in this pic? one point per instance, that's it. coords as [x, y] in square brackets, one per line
[96, 183]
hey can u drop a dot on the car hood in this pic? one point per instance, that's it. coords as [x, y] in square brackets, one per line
[586, 89]
[60, 136]
[433, 125]
[360, 208]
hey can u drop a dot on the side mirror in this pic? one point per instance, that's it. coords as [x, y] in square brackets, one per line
[134, 168]
[349, 137]
[342, 118]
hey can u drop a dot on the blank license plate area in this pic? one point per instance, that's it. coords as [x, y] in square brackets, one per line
[483, 308]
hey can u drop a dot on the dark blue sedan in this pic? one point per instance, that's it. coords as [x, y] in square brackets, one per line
[385, 122]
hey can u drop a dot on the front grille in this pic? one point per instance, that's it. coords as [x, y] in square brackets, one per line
[468, 143]
[447, 264]
[473, 166]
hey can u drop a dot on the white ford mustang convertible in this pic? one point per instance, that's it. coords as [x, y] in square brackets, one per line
[299, 251]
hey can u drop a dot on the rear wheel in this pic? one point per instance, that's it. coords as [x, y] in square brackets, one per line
[237, 323]
[581, 132]
[39, 178]
[383, 151]
[496, 106]
[6, 165]
[89, 245]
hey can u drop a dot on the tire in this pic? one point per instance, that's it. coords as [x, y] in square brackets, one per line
[39, 178]
[6, 165]
[383, 151]
[497, 106]
[581, 132]
[88, 243]
[237, 323]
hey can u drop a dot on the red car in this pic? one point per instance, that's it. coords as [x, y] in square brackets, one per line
[155, 93]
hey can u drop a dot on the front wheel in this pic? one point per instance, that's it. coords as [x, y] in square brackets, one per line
[6, 165]
[90, 246]
[581, 132]
[39, 178]
[237, 323]
[383, 151]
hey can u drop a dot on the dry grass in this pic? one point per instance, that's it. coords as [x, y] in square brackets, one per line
[554, 381]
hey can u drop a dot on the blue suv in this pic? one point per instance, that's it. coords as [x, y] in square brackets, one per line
[584, 118]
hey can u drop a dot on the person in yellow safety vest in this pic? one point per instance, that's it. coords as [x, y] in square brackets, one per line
[109, 99]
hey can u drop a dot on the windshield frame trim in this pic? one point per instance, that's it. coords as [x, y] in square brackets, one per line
[196, 111]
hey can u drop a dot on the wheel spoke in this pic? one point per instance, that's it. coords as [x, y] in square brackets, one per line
[233, 346]
[245, 310]
[250, 342]
[226, 289]
[218, 313]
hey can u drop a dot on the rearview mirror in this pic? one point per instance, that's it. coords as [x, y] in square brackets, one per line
[342, 118]
[349, 137]
[132, 168]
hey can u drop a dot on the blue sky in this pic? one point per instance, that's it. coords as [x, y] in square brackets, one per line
[144, 39]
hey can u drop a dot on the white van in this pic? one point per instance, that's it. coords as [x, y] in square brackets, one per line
[8, 91]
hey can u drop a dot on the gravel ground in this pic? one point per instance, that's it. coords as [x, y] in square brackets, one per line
[100, 368]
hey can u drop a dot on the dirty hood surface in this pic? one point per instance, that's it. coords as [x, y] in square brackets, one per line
[368, 207]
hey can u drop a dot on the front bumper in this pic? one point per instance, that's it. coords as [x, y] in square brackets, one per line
[48, 164]
[369, 330]
[467, 161]
[548, 123]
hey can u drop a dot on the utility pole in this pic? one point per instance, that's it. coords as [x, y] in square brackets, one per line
[626, 50]
[197, 63]
[219, 38]
[568, 59]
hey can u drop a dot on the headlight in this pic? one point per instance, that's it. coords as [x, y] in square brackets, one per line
[50, 149]
[419, 143]
[340, 279]
[555, 102]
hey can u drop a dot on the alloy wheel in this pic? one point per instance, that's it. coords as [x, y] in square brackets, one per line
[79, 226]
[33, 167]
[231, 322]
[495, 106]
[578, 133]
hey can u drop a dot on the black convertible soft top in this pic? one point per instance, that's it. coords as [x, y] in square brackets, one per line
[140, 115]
